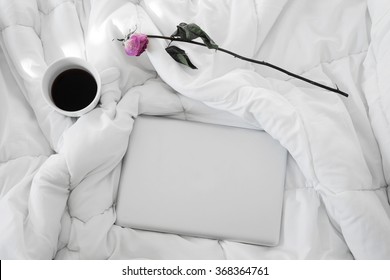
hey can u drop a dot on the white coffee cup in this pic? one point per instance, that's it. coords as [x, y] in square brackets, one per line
[58, 67]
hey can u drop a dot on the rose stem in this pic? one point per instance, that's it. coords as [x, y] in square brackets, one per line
[336, 90]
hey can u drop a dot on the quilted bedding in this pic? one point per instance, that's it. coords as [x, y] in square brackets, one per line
[59, 175]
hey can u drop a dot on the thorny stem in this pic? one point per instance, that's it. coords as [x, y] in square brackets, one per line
[336, 90]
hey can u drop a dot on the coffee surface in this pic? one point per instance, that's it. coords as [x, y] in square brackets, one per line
[73, 89]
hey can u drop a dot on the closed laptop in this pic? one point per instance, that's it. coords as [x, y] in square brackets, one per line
[202, 180]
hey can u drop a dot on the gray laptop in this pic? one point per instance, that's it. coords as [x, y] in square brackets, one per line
[202, 180]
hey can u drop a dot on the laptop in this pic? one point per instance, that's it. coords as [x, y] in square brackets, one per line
[202, 180]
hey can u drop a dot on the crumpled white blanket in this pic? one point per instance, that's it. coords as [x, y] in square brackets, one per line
[59, 184]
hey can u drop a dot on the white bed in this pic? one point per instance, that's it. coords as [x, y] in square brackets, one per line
[59, 176]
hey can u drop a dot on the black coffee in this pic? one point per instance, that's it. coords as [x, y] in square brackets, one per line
[73, 89]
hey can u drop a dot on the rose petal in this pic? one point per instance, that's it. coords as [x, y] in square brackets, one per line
[136, 44]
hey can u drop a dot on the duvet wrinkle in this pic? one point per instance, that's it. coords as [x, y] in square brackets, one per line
[22, 25]
[182, 105]
[53, 8]
[222, 249]
[327, 62]
[23, 156]
[85, 221]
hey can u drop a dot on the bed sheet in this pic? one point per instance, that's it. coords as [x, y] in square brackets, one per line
[60, 175]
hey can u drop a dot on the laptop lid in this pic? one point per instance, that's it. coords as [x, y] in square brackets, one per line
[202, 180]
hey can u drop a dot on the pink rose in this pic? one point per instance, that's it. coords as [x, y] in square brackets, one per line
[136, 44]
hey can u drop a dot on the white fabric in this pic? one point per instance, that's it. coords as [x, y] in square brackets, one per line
[59, 175]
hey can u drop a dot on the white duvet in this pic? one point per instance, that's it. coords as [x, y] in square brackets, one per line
[59, 176]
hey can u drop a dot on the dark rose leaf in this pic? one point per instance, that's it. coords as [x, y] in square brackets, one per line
[180, 56]
[183, 32]
[195, 29]
[192, 31]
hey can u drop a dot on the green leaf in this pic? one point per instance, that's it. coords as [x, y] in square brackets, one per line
[180, 56]
[183, 32]
[192, 31]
